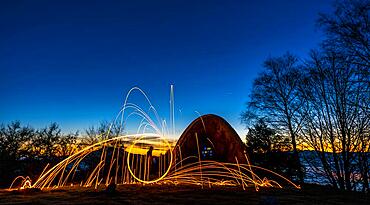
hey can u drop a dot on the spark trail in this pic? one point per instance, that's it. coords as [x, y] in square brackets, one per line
[129, 159]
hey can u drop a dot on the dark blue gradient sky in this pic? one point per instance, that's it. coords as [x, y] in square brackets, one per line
[72, 63]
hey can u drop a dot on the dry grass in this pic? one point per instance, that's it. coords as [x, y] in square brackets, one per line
[190, 195]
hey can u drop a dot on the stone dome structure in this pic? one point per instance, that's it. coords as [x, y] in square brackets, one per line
[215, 139]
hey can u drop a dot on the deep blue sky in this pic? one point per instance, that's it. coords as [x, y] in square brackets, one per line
[72, 63]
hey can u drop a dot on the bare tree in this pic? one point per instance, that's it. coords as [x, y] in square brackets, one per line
[14, 140]
[68, 144]
[348, 30]
[275, 99]
[104, 131]
[50, 143]
[46, 141]
[15, 149]
[335, 121]
[338, 95]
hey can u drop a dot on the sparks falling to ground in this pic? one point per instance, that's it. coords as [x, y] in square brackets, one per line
[147, 157]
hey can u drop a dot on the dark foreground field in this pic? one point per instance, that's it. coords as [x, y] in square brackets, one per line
[191, 195]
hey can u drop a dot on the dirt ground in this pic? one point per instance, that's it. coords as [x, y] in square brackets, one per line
[190, 195]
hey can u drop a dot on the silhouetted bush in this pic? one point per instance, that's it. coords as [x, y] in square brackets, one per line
[26, 151]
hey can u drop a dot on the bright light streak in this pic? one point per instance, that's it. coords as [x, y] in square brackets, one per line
[119, 160]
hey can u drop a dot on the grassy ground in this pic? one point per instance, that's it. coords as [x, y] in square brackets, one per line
[190, 195]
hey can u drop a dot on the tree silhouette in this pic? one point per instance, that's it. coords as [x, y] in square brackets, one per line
[268, 149]
[323, 104]
[14, 140]
[275, 99]
[104, 131]
[262, 139]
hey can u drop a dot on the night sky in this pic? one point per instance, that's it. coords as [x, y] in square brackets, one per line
[73, 63]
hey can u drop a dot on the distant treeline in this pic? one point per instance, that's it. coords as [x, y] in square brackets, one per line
[26, 151]
[321, 103]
